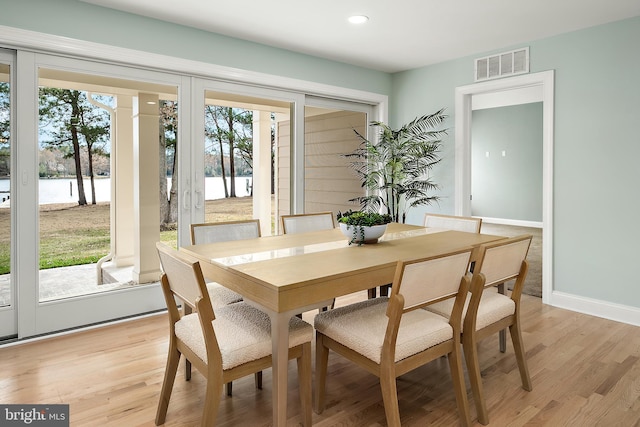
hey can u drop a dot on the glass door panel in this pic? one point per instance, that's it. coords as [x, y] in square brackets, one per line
[313, 175]
[79, 176]
[102, 132]
[228, 160]
[74, 186]
[239, 134]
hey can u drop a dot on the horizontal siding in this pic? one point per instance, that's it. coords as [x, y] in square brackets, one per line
[329, 181]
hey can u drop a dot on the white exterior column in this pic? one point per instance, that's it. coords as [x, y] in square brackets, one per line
[122, 223]
[146, 187]
[262, 170]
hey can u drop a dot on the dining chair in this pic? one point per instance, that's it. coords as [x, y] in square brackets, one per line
[453, 222]
[223, 231]
[214, 232]
[447, 222]
[488, 312]
[302, 223]
[224, 344]
[392, 336]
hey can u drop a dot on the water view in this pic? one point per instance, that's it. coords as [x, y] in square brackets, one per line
[66, 190]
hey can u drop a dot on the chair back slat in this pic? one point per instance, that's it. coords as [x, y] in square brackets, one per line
[302, 223]
[213, 232]
[502, 260]
[451, 222]
[184, 276]
[429, 280]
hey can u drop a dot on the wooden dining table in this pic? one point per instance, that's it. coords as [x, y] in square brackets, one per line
[289, 274]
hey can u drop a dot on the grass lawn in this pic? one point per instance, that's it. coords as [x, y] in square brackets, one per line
[74, 235]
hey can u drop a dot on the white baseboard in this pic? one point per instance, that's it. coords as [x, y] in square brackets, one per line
[598, 308]
[514, 222]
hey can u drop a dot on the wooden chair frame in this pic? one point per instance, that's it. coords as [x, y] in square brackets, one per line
[388, 369]
[192, 290]
[464, 221]
[470, 336]
[193, 228]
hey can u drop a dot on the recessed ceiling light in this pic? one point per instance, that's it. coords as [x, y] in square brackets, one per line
[358, 19]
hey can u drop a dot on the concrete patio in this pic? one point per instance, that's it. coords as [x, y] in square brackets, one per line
[68, 282]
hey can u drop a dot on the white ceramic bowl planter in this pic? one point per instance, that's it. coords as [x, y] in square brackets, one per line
[363, 234]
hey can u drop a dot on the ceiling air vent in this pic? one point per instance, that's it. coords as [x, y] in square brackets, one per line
[502, 64]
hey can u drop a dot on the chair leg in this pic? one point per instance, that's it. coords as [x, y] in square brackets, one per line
[322, 360]
[173, 358]
[521, 358]
[331, 307]
[475, 379]
[502, 335]
[304, 378]
[258, 380]
[457, 377]
[390, 397]
[187, 365]
[384, 290]
[187, 370]
[211, 400]
[229, 388]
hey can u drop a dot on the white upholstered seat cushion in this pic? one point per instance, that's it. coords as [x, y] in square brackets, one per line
[362, 327]
[243, 333]
[493, 307]
[221, 296]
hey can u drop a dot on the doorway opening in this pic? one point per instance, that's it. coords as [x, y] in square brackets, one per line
[544, 82]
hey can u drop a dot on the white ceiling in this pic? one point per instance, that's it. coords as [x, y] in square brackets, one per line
[400, 35]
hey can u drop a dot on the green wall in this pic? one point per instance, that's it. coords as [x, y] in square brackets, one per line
[78, 20]
[596, 152]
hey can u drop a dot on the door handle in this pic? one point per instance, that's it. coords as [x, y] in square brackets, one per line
[185, 200]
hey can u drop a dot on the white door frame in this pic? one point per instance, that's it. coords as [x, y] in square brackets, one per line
[463, 99]
[8, 314]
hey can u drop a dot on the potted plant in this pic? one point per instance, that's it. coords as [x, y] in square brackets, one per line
[394, 167]
[363, 227]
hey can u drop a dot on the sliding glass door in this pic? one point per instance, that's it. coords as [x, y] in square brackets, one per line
[92, 196]
[98, 162]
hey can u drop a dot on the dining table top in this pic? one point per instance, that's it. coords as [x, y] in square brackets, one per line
[292, 271]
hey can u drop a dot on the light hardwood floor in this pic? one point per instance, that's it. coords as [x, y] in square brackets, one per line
[585, 372]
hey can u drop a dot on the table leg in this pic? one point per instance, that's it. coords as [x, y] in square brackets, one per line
[280, 356]
[280, 346]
